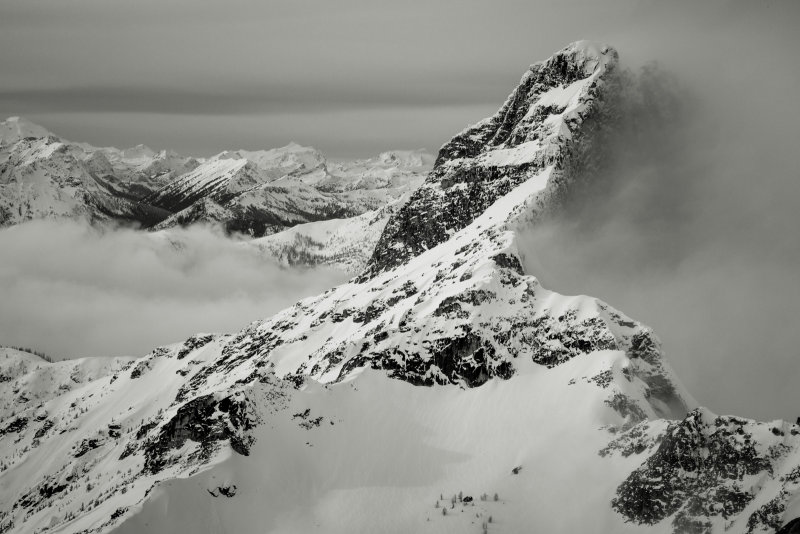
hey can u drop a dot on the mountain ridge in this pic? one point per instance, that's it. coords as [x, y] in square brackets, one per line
[45, 176]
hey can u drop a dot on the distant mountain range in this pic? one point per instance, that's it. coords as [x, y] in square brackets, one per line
[255, 193]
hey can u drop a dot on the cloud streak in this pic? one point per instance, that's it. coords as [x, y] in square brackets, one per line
[268, 98]
[72, 290]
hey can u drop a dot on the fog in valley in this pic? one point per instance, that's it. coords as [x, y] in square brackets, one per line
[71, 290]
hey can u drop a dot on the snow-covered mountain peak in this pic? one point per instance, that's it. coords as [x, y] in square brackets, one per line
[584, 54]
[535, 128]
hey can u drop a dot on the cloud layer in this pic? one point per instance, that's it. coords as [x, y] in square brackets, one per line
[199, 77]
[71, 290]
[694, 231]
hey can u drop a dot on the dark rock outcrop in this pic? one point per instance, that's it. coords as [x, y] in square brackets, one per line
[205, 420]
[462, 185]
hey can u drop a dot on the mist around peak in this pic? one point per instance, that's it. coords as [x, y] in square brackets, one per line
[693, 228]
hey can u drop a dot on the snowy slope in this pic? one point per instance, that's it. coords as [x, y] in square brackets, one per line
[216, 179]
[446, 371]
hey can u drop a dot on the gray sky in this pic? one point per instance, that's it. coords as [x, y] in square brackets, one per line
[705, 249]
[351, 77]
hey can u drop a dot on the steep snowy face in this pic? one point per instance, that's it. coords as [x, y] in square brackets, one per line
[537, 127]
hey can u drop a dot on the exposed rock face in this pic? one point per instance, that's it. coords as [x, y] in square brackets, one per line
[706, 467]
[540, 125]
[204, 420]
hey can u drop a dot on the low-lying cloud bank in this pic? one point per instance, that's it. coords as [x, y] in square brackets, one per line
[71, 290]
[695, 230]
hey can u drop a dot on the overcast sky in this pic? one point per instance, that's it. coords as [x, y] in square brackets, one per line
[706, 250]
[351, 77]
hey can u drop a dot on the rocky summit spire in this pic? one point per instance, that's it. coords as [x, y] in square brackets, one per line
[539, 125]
